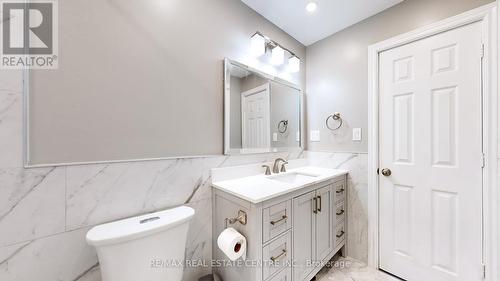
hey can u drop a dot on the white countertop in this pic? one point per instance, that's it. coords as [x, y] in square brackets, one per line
[259, 188]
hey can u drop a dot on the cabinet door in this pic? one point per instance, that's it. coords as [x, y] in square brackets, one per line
[325, 222]
[303, 235]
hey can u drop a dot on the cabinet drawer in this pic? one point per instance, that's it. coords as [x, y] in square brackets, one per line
[276, 220]
[276, 255]
[340, 211]
[340, 191]
[285, 275]
[340, 233]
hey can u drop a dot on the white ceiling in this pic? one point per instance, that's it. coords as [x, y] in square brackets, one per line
[330, 17]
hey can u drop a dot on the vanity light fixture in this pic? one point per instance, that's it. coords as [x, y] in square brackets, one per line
[311, 7]
[294, 64]
[278, 55]
[258, 45]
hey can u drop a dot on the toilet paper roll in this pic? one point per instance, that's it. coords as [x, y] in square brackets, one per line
[232, 244]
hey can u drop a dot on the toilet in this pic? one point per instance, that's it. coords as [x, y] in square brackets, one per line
[147, 248]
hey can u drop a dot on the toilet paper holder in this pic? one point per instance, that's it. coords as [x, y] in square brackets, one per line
[241, 218]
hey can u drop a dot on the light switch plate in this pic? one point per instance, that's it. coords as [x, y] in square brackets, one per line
[275, 136]
[314, 135]
[356, 134]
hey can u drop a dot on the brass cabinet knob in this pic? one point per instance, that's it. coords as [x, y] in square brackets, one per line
[386, 172]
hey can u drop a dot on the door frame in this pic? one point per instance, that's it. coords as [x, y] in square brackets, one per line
[262, 88]
[487, 15]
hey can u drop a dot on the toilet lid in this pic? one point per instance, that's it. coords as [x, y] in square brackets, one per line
[136, 227]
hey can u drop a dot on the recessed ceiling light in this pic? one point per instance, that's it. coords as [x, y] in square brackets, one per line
[311, 7]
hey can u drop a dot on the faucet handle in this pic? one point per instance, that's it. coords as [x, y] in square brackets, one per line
[268, 169]
[283, 168]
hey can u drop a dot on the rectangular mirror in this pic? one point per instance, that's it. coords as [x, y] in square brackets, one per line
[261, 113]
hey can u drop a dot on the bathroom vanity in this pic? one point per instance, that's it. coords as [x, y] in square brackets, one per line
[295, 223]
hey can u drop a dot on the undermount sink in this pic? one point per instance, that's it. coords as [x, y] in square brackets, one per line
[257, 188]
[294, 177]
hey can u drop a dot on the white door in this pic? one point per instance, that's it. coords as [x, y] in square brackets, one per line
[255, 110]
[430, 139]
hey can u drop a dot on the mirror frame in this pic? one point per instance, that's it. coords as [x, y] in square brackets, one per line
[227, 108]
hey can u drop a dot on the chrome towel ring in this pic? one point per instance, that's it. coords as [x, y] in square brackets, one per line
[336, 117]
[283, 126]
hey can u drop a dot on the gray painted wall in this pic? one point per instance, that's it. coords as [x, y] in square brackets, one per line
[141, 79]
[337, 66]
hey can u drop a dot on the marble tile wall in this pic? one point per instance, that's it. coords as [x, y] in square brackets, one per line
[357, 196]
[46, 208]
[46, 212]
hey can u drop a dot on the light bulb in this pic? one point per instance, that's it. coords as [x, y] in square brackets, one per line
[294, 64]
[258, 45]
[278, 56]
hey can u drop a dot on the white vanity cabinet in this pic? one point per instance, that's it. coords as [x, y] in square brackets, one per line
[300, 231]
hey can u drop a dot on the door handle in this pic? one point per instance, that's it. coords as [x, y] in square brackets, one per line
[340, 213]
[386, 172]
[315, 210]
[320, 203]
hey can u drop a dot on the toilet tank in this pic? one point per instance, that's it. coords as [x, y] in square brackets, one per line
[146, 248]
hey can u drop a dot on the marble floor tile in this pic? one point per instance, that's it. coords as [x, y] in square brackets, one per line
[349, 269]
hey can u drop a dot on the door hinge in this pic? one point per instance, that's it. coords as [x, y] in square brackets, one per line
[481, 52]
[483, 160]
[484, 272]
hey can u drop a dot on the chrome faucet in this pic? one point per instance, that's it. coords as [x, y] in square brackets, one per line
[276, 168]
